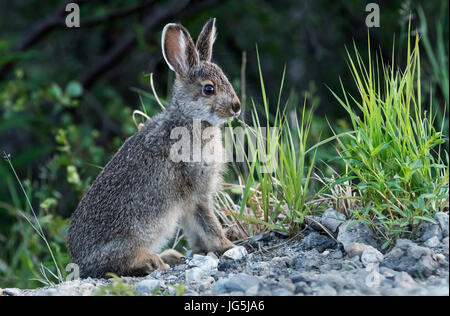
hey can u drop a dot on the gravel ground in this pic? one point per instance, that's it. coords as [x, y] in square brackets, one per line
[311, 263]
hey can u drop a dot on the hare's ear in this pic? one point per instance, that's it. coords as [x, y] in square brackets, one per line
[206, 40]
[178, 49]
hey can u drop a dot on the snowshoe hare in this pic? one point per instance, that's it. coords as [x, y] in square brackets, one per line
[135, 204]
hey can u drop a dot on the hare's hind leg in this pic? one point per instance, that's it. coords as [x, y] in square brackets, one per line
[171, 257]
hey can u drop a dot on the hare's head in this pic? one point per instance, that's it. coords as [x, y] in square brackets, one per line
[201, 89]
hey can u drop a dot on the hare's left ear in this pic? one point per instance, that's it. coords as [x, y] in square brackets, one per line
[206, 40]
[178, 49]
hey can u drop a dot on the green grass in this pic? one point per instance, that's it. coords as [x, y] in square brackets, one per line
[37, 257]
[395, 173]
[274, 195]
[395, 160]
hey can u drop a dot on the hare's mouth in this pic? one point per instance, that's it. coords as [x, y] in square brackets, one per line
[234, 113]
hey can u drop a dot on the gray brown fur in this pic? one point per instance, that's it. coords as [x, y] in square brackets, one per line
[134, 205]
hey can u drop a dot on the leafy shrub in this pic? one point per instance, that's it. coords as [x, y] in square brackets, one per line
[394, 154]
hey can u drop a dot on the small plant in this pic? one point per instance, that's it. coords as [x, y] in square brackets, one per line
[394, 157]
[179, 289]
[275, 193]
[34, 233]
[116, 288]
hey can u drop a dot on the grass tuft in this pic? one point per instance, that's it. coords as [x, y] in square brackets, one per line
[394, 157]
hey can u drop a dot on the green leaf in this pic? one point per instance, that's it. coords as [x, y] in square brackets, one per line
[48, 202]
[72, 175]
[56, 91]
[74, 89]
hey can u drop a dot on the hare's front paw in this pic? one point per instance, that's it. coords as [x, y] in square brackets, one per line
[171, 257]
[225, 245]
[155, 262]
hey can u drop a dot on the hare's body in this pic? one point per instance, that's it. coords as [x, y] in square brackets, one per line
[135, 204]
[147, 195]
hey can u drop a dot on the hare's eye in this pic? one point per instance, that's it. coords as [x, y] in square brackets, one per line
[208, 89]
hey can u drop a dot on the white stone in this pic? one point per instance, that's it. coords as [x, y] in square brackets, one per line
[236, 253]
[371, 256]
[207, 263]
[433, 242]
[195, 275]
[442, 218]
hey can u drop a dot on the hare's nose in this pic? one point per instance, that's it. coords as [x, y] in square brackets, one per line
[236, 107]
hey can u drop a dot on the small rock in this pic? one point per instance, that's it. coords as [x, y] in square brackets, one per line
[241, 282]
[318, 241]
[206, 263]
[445, 243]
[356, 260]
[404, 280]
[309, 260]
[332, 219]
[326, 290]
[408, 256]
[442, 219]
[433, 242]
[212, 255]
[147, 287]
[337, 254]
[236, 253]
[287, 284]
[281, 292]
[195, 275]
[302, 287]
[351, 232]
[12, 292]
[387, 273]
[299, 278]
[190, 292]
[439, 257]
[313, 222]
[282, 261]
[49, 292]
[252, 291]
[180, 267]
[371, 256]
[86, 288]
[334, 280]
[259, 268]
[206, 284]
[429, 230]
[219, 286]
[172, 291]
[356, 249]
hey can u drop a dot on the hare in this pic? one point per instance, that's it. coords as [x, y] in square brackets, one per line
[136, 202]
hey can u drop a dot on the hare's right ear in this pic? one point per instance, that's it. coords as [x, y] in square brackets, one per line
[206, 40]
[178, 49]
